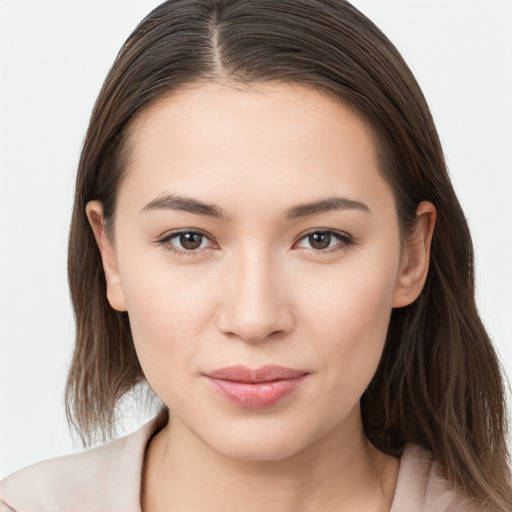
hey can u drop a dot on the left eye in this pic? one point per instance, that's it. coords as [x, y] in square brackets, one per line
[322, 240]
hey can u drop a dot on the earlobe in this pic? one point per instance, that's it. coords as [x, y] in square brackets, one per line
[415, 260]
[115, 294]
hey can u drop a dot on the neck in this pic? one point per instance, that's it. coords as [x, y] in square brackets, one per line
[342, 468]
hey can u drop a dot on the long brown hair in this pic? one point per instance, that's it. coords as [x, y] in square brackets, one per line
[439, 382]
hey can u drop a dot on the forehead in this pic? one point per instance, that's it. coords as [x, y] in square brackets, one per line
[227, 142]
[242, 111]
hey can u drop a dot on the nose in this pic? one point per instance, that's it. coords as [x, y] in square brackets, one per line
[254, 307]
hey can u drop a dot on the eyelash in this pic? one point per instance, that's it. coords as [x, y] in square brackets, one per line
[344, 241]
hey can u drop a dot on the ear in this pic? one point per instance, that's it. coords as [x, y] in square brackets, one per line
[115, 294]
[415, 258]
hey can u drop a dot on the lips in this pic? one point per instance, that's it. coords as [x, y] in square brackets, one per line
[257, 388]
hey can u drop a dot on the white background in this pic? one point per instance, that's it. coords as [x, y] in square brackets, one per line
[54, 56]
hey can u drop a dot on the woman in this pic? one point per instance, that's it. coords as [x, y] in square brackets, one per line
[265, 232]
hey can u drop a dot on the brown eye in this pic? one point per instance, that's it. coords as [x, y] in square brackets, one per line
[190, 241]
[186, 242]
[320, 240]
[327, 241]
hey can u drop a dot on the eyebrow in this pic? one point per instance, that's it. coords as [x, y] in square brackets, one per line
[184, 204]
[326, 205]
[191, 205]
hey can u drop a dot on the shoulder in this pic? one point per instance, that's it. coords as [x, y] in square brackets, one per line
[106, 478]
[422, 486]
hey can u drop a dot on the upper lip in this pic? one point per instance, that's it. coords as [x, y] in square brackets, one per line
[266, 373]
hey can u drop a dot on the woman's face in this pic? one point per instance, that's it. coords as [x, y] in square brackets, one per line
[254, 230]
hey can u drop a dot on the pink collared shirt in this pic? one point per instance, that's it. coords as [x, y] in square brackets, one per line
[108, 479]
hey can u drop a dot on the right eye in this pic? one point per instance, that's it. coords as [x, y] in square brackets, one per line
[185, 242]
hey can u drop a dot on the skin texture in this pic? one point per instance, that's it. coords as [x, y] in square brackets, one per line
[258, 291]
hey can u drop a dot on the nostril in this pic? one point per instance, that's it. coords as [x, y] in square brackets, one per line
[254, 335]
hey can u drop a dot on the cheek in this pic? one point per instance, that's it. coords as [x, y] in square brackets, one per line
[169, 310]
[160, 304]
[350, 319]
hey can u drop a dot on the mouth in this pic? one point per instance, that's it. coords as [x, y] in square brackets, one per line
[255, 389]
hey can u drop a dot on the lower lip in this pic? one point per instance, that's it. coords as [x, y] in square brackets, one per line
[256, 395]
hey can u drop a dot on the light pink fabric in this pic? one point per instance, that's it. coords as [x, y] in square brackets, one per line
[107, 479]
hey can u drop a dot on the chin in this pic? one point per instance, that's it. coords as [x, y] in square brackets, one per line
[264, 446]
[259, 452]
